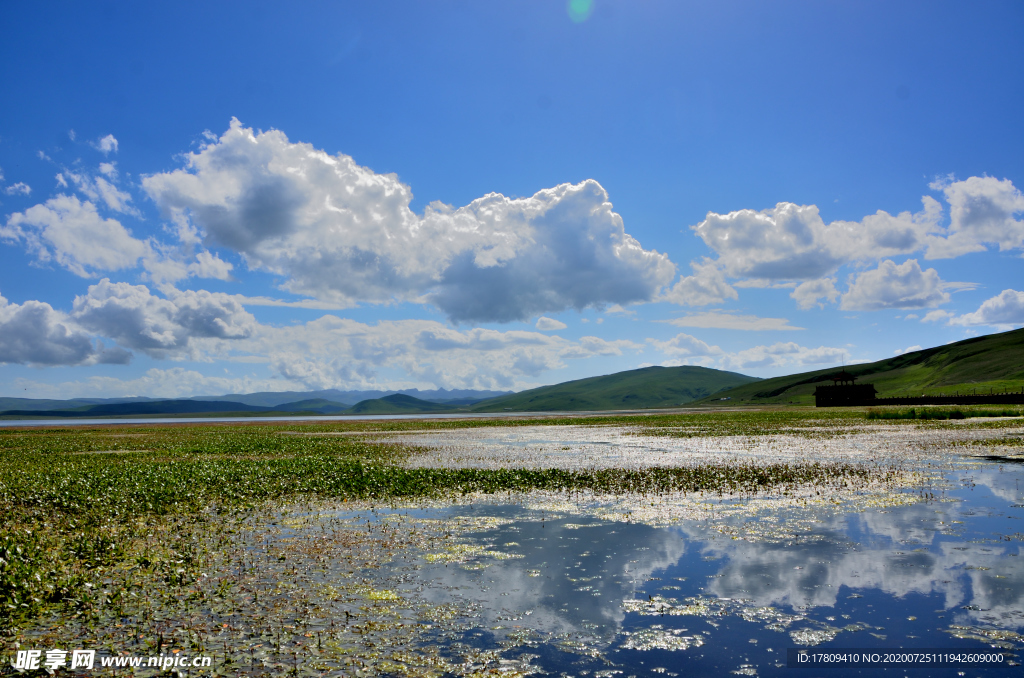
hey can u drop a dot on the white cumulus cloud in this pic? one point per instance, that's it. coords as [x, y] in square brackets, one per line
[809, 292]
[895, 286]
[685, 346]
[100, 189]
[135, 318]
[20, 188]
[982, 210]
[34, 333]
[548, 324]
[937, 315]
[784, 242]
[342, 233]
[73, 234]
[209, 265]
[793, 242]
[706, 286]
[106, 145]
[687, 349]
[1006, 308]
[783, 355]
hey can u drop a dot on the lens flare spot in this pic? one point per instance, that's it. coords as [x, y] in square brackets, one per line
[579, 10]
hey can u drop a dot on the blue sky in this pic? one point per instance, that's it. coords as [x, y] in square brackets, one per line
[203, 198]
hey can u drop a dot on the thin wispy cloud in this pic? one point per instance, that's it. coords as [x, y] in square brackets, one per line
[730, 321]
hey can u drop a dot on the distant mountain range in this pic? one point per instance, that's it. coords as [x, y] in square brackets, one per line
[276, 398]
[649, 387]
[993, 362]
[329, 401]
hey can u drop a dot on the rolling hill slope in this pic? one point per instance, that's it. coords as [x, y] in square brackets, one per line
[995, 361]
[634, 389]
[397, 404]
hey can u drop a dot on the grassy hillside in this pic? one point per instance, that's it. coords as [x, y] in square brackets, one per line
[397, 404]
[636, 389]
[995, 361]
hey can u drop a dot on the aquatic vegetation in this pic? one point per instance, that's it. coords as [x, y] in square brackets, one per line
[813, 636]
[1001, 638]
[709, 608]
[309, 595]
[460, 553]
[659, 639]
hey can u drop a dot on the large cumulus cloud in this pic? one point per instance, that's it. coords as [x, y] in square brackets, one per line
[892, 286]
[73, 233]
[1006, 309]
[981, 210]
[793, 242]
[135, 318]
[342, 233]
[706, 286]
[34, 333]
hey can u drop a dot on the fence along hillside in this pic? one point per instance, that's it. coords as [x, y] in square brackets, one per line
[845, 392]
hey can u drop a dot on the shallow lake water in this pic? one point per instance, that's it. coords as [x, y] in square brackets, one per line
[593, 447]
[572, 589]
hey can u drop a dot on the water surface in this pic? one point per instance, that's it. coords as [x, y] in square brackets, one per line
[569, 591]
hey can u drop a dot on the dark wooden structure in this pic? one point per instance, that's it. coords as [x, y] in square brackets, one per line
[844, 392]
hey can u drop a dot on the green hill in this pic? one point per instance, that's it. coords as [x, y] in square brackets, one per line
[397, 404]
[995, 361]
[635, 389]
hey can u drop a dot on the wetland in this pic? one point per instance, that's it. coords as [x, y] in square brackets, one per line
[602, 546]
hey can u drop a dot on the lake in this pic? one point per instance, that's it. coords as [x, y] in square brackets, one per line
[924, 553]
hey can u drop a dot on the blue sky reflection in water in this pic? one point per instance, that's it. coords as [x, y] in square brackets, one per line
[709, 597]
